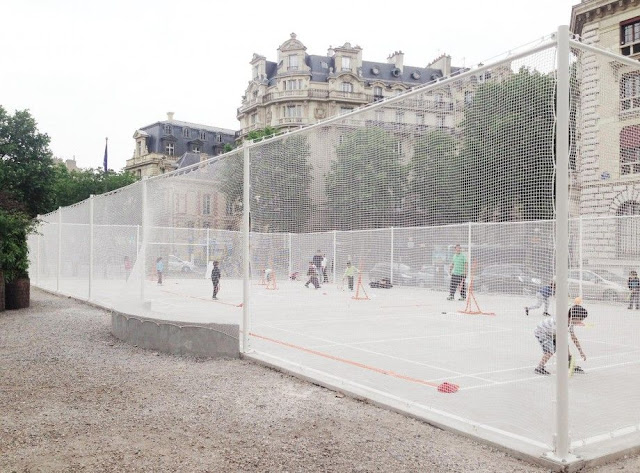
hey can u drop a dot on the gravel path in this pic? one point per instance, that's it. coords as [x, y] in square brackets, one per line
[73, 398]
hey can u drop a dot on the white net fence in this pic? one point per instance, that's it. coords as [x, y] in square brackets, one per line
[393, 250]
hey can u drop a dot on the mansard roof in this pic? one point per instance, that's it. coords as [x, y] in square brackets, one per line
[196, 126]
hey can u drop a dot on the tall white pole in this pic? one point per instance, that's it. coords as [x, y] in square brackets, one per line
[91, 246]
[59, 249]
[246, 195]
[562, 245]
[142, 256]
[290, 257]
[391, 258]
[38, 254]
[335, 254]
[208, 253]
[468, 256]
[580, 252]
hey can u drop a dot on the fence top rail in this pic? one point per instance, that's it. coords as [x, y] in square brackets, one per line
[595, 50]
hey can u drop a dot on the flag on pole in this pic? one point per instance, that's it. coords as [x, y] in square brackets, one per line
[106, 141]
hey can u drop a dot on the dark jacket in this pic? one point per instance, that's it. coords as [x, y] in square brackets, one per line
[215, 274]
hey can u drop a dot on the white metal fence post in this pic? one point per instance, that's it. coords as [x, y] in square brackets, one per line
[562, 244]
[290, 258]
[91, 247]
[142, 256]
[580, 253]
[334, 264]
[208, 253]
[468, 257]
[391, 265]
[59, 268]
[246, 195]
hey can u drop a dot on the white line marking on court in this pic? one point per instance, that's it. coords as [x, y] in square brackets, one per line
[414, 338]
[384, 355]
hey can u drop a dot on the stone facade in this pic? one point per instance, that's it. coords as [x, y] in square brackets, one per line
[607, 143]
[160, 145]
[301, 89]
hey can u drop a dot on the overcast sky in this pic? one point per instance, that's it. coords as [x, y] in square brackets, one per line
[89, 70]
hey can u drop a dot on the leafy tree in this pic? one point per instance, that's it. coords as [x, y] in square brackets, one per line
[366, 183]
[435, 171]
[26, 165]
[74, 186]
[280, 183]
[508, 150]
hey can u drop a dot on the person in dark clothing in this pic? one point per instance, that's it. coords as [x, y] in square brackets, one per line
[215, 279]
[317, 261]
[312, 272]
[634, 286]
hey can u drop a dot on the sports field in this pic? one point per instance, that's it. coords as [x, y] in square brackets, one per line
[399, 345]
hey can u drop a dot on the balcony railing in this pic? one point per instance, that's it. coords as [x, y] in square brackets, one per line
[296, 121]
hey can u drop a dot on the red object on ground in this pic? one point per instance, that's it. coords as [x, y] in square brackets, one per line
[448, 387]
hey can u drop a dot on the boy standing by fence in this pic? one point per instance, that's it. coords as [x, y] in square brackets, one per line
[458, 271]
[545, 332]
[312, 272]
[634, 286]
[159, 269]
[349, 273]
[215, 279]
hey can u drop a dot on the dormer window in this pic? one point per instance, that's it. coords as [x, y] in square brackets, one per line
[293, 63]
[255, 72]
[219, 138]
[139, 150]
[377, 93]
[169, 149]
[203, 135]
[167, 129]
[346, 63]
[347, 87]
[195, 149]
[185, 132]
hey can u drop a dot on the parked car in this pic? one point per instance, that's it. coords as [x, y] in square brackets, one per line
[508, 278]
[175, 264]
[598, 284]
[436, 275]
[403, 275]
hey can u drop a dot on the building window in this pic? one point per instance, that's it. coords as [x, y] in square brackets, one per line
[185, 132]
[377, 93]
[340, 139]
[195, 148]
[630, 92]
[628, 235]
[206, 204]
[630, 150]
[203, 135]
[293, 63]
[468, 98]
[346, 63]
[440, 122]
[293, 111]
[167, 129]
[399, 116]
[139, 149]
[630, 37]
[347, 87]
[399, 147]
[255, 72]
[293, 84]
[219, 138]
[169, 149]
[419, 118]
[379, 115]
[254, 118]
[344, 110]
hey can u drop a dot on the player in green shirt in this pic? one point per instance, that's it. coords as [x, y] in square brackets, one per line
[458, 270]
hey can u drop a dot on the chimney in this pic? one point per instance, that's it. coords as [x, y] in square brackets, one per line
[443, 63]
[169, 116]
[397, 59]
[331, 52]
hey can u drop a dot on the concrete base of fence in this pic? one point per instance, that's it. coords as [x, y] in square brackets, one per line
[177, 338]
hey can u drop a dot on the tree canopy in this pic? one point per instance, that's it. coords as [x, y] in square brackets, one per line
[366, 183]
[26, 163]
[508, 149]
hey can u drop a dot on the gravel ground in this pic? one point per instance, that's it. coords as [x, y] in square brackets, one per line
[73, 398]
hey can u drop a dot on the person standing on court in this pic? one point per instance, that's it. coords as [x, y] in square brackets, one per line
[159, 269]
[317, 262]
[215, 279]
[458, 270]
